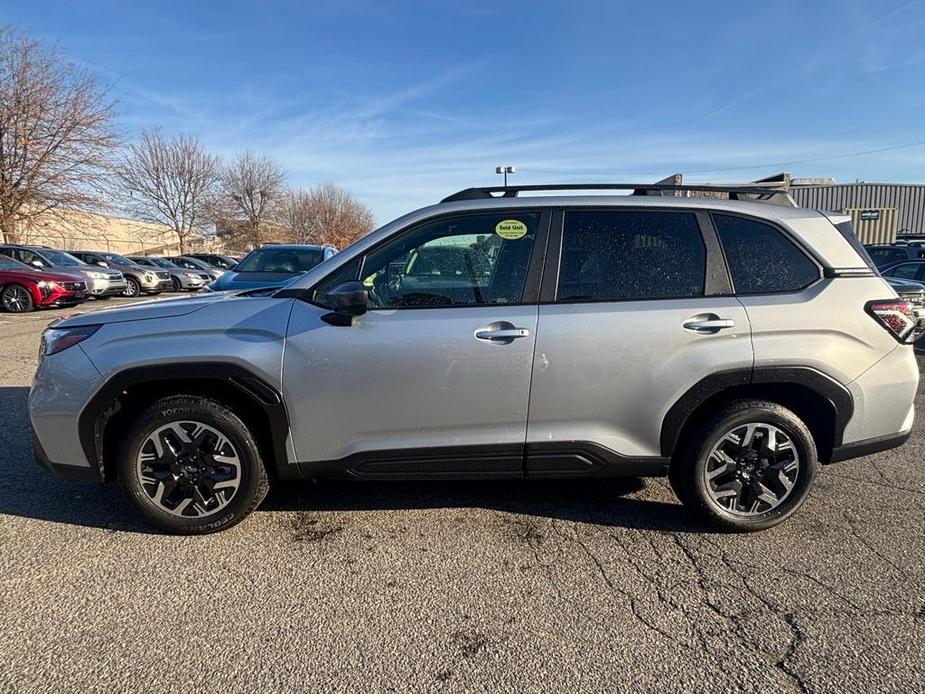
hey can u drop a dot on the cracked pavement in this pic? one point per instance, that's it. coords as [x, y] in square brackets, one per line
[601, 585]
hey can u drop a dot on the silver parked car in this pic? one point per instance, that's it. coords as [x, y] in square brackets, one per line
[181, 279]
[730, 345]
[197, 265]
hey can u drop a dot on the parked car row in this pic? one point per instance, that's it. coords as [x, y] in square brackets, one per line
[33, 277]
[884, 254]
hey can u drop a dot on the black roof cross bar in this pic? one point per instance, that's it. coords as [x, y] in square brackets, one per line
[734, 191]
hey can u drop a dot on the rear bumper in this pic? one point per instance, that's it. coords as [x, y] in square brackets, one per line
[869, 446]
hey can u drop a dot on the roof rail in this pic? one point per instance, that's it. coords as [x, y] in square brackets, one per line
[768, 190]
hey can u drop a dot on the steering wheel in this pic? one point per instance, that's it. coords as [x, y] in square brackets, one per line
[386, 286]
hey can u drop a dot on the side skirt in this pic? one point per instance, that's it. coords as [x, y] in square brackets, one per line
[560, 460]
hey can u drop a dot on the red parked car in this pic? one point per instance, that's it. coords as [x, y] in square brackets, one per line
[23, 288]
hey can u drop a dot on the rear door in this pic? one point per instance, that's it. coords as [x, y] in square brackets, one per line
[635, 309]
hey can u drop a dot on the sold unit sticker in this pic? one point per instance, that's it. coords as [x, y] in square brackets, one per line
[511, 229]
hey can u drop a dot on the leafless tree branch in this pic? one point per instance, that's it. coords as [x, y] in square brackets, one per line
[251, 187]
[56, 134]
[168, 180]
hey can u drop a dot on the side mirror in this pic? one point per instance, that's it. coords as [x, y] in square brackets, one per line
[38, 264]
[348, 299]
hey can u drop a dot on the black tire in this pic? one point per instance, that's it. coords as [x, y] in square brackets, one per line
[132, 288]
[689, 468]
[16, 299]
[253, 482]
[103, 298]
[177, 287]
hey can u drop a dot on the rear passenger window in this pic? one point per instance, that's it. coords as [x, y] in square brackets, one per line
[622, 256]
[761, 259]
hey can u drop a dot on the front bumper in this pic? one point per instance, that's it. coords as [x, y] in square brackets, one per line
[65, 472]
[157, 287]
[62, 385]
[104, 287]
[63, 294]
[192, 282]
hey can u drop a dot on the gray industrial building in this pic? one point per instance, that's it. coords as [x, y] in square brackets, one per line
[881, 212]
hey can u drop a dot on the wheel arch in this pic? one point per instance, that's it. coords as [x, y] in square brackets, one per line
[822, 403]
[124, 395]
[31, 289]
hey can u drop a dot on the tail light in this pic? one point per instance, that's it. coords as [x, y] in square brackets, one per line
[896, 316]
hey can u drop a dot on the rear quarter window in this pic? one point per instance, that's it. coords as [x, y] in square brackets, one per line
[761, 259]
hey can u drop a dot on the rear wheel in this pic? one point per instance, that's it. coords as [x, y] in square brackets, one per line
[191, 466]
[750, 467]
[16, 299]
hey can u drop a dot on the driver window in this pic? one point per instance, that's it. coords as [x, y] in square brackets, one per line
[458, 261]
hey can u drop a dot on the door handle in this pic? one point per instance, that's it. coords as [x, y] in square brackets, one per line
[708, 323]
[502, 334]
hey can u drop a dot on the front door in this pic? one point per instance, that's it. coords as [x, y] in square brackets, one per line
[434, 380]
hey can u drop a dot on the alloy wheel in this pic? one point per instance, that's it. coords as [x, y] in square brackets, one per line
[132, 288]
[16, 299]
[752, 469]
[189, 469]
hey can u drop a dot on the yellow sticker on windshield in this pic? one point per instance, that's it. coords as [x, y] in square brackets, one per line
[510, 229]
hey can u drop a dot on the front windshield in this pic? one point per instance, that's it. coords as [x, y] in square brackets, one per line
[288, 260]
[10, 264]
[116, 258]
[61, 258]
[162, 262]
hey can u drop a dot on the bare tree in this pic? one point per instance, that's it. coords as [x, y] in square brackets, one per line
[325, 214]
[168, 180]
[251, 186]
[56, 134]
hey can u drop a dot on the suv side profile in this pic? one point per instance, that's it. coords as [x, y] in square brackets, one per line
[730, 345]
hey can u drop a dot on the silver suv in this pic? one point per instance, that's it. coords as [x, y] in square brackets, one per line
[730, 345]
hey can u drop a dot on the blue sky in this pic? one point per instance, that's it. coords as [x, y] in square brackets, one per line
[403, 103]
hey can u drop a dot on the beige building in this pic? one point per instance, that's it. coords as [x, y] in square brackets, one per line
[71, 230]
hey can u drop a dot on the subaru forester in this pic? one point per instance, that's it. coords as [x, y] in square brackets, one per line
[729, 344]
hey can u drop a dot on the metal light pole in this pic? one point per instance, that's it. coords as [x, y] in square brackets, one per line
[505, 170]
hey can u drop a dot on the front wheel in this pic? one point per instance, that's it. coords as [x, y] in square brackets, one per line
[16, 299]
[749, 467]
[191, 466]
[132, 288]
[177, 287]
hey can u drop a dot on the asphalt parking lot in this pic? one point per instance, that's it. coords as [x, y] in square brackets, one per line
[586, 586]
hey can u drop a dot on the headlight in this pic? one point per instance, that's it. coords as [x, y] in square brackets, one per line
[47, 285]
[55, 340]
[97, 275]
[191, 275]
